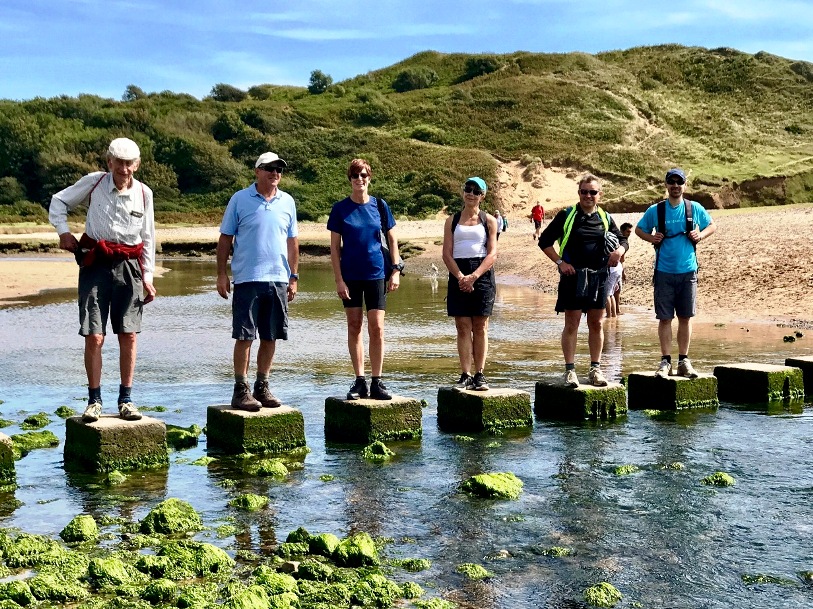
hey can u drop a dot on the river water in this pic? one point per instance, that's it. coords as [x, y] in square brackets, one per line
[662, 538]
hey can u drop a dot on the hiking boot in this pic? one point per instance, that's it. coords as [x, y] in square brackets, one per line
[378, 391]
[685, 369]
[241, 398]
[129, 412]
[570, 378]
[664, 369]
[264, 396]
[466, 382]
[358, 389]
[92, 412]
[479, 382]
[596, 378]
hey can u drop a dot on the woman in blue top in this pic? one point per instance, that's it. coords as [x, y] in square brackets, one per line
[355, 226]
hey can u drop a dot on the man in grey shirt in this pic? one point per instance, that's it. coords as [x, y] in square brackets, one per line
[116, 256]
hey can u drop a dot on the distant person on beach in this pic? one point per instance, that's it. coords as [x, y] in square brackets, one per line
[260, 221]
[116, 257]
[675, 226]
[364, 272]
[538, 218]
[469, 252]
[589, 243]
[498, 217]
[617, 278]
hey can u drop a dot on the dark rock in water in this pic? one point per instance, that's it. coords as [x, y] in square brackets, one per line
[799, 334]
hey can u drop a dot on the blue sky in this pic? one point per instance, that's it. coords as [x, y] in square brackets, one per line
[50, 47]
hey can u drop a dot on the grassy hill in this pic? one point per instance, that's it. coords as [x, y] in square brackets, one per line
[740, 123]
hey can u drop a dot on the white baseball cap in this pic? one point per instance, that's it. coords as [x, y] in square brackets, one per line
[266, 158]
[124, 149]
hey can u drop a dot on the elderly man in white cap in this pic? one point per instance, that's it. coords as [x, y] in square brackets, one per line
[116, 256]
[261, 223]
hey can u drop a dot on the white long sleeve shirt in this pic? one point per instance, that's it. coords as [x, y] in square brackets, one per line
[125, 217]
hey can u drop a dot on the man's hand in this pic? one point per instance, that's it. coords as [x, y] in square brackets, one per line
[567, 269]
[615, 257]
[223, 286]
[150, 289]
[395, 281]
[342, 290]
[656, 238]
[292, 286]
[68, 242]
[694, 236]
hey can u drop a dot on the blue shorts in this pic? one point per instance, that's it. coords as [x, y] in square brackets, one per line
[260, 307]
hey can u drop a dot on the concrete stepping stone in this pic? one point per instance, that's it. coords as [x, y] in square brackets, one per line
[555, 401]
[113, 443]
[647, 390]
[805, 364]
[750, 383]
[364, 421]
[268, 430]
[475, 411]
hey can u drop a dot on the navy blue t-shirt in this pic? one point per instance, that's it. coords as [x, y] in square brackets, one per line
[359, 224]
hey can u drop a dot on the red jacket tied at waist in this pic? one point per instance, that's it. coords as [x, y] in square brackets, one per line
[108, 252]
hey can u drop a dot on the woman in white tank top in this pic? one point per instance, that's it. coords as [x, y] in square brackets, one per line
[469, 252]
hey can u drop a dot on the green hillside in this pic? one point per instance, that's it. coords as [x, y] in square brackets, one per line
[429, 121]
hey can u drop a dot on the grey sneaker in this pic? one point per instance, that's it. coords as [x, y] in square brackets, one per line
[570, 378]
[664, 369]
[479, 382]
[129, 412]
[466, 382]
[685, 369]
[241, 399]
[596, 378]
[92, 412]
[264, 396]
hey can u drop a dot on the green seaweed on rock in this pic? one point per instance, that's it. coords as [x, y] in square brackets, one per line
[602, 594]
[719, 479]
[473, 571]
[81, 528]
[500, 485]
[171, 516]
[249, 502]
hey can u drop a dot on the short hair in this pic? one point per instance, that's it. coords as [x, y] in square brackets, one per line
[589, 177]
[357, 166]
[625, 226]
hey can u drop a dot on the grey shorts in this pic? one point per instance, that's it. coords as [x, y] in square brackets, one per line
[675, 294]
[260, 307]
[110, 292]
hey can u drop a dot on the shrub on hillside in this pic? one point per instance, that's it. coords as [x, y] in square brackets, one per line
[426, 205]
[419, 77]
[11, 191]
[478, 66]
[319, 82]
[227, 126]
[372, 109]
[428, 133]
[227, 93]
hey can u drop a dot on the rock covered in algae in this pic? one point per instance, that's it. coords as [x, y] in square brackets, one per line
[319, 594]
[500, 485]
[112, 572]
[434, 603]
[410, 590]
[180, 438]
[324, 544]
[602, 595]
[28, 550]
[473, 571]
[626, 470]
[57, 588]
[115, 477]
[289, 549]
[252, 597]
[198, 596]
[375, 591]
[315, 570]
[719, 479]
[274, 582]
[299, 535]
[249, 502]
[377, 451]
[171, 516]
[82, 528]
[267, 467]
[63, 412]
[160, 591]
[356, 551]
[414, 564]
[24, 443]
[187, 558]
[36, 421]
[204, 461]
[17, 591]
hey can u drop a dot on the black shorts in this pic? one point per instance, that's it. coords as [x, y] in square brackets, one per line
[372, 292]
[595, 297]
[478, 303]
[260, 307]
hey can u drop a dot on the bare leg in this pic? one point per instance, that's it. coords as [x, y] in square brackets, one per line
[479, 326]
[569, 334]
[127, 357]
[265, 355]
[355, 346]
[595, 337]
[93, 359]
[684, 334]
[464, 343]
[375, 329]
[242, 353]
[665, 335]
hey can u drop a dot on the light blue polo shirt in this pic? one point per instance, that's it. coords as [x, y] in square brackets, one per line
[677, 253]
[261, 230]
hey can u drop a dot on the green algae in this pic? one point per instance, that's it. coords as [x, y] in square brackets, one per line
[289, 549]
[274, 468]
[171, 516]
[410, 590]
[24, 443]
[114, 478]
[249, 502]
[197, 596]
[499, 485]
[181, 438]
[274, 582]
[375, 591]
[413, 564]
[153, 408]
[298, 535]
[17, 591]
[203, 461]
[82, 528]
[64, 412]
[327, 478]
[473, 571]
[557, 551]
[675, 465]
[319, 594]
[493, 444]
[112, 572]
[6, 423]
[626, 470]
[378, 452]
[719, 479]
[356, 551]
[463, 439]
[315, 570]
[28, 550]
[252, 597]
[324, 544]
[160, 591]
[187, 558]
[602, 595]
[227, 530]
[36, 421]
[434, 603]
[763, 578]
[57, 588]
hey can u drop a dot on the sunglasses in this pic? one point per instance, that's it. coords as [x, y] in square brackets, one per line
[584, 191]
[676, 182]
[270, 168]
[473, 190]
[356, 176]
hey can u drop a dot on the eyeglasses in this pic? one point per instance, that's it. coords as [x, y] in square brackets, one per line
[270, 168]
[356, 176]
[584, 191]
[676, 182]
[472, 190]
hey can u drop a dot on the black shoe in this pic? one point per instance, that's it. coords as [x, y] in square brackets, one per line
[378, 391]
[264, 396]
[466, 382]
[358, 390]
[479, 382]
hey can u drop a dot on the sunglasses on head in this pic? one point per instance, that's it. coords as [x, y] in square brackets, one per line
[675, 181]
[270, 168]
[584, 191]
[356, 176]
[473, 190]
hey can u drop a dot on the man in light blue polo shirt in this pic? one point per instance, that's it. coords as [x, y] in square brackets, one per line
[675, 235]
[261, 223]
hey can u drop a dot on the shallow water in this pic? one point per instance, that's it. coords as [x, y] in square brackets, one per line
[662, 538]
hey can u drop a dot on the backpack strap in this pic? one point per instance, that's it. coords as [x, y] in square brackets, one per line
[571, 216]
[483, 216]
[382, 214]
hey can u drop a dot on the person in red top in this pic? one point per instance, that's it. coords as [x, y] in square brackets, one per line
[538, 218]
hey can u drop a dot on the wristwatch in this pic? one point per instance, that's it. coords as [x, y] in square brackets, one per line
[559, 262]
[294, 276]
[399, 267]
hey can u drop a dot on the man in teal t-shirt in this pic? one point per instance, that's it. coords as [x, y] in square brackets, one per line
[675, 268]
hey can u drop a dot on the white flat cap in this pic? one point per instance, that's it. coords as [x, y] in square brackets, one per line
[124, 149]
[266, 158]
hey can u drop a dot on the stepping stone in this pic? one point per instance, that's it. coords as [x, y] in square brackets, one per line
[805, 363]
[267, 430]
[647, 390]
[113, 443]
[749, 383]
[8, 473]
[365, 421]
[555, 401]
[474, 411]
